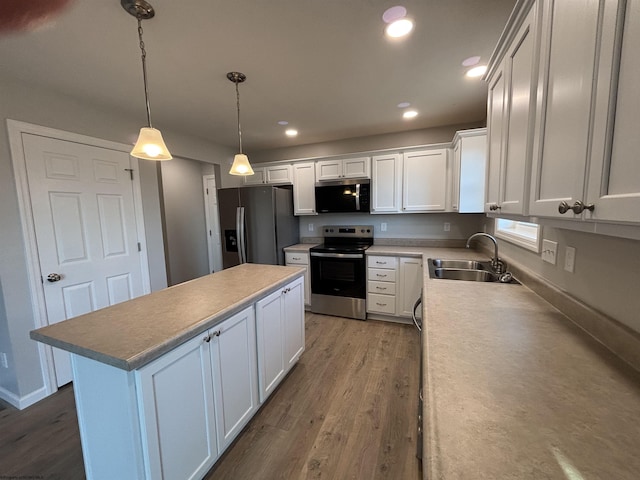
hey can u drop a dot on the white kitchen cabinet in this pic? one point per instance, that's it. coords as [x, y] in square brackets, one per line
[301, 259]
[386, 180]
[304, 192]
[393, 286]
[270, 175]
[511, 109]
[280, 335]
[235, 374]
[409, 284]
[339, 169]
[178, 414]
[424, 184]
[468, 171]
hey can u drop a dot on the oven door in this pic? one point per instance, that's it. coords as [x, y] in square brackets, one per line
[338, 274]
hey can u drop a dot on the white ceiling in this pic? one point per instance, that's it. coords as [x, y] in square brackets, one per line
[323, 65]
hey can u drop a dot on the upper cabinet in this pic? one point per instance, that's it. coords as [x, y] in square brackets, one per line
[468, 171]
[304, 193]
[510, 117]
[339, 169]
[386, 180]
[424, 181]
[270, 175]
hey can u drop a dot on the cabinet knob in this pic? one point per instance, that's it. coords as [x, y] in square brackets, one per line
[563, 207]
[494, 206]
[54, 277]
[580, 207]
[217, 333]
[207, 338]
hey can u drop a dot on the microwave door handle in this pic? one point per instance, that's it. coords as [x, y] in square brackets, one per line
[357, 197]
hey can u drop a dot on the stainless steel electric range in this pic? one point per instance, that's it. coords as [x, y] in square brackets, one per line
[339, 271]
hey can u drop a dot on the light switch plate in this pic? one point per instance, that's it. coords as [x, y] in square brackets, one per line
[569, 259]
[549, 251]
[383, 227]
[311, 227]
[447, 227]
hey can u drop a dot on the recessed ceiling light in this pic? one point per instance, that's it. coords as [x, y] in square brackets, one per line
[283, 122]
[476, 71]
[399, 28]
[394, 13]
[471, 61]
[404, 105]
[410, 114]
[291, 132]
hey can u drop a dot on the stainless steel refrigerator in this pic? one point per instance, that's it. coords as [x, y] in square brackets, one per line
[256, 223]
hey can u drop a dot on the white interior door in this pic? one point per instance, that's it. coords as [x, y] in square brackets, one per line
[85, 228]
[213, 223]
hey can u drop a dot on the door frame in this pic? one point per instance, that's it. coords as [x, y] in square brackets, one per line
[36, 288]
[212, 222]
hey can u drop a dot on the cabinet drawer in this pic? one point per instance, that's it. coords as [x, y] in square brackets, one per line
[382, 275]
[296, 258]
[387, 288]
[375, 261]
[381, 303]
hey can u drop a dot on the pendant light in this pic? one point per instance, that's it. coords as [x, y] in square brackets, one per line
[150, 145]
[241, 165]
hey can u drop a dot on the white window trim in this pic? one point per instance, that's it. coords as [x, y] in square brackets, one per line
[513, 236]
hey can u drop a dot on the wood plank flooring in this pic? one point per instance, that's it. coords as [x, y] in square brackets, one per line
[346, 411]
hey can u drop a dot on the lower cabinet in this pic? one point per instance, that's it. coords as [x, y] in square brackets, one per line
[280, 335]
[300, 259]
[197, 398]
[393, 286]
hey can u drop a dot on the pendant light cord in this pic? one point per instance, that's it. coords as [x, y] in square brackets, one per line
[238, 105]
[144, 71]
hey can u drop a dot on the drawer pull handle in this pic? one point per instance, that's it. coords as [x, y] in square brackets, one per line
[380, 275]
[381, 263]
[381, 288]
[296, 258]
[381, 304]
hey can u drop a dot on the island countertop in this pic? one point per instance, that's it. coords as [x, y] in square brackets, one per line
[130, 334]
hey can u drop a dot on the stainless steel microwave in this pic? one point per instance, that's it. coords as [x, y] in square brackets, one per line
[343, 196]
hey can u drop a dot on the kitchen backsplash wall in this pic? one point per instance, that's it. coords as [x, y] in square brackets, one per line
[406, 226]
[606, 274]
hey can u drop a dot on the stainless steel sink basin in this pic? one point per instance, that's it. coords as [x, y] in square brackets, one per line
[462, 274]
[462, 264]
[469, 270]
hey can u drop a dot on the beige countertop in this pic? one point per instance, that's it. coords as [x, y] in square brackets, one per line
[133, 333]
[515, 390]
[300, 247]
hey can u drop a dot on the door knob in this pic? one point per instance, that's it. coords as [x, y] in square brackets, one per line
[54, 277]
[579, 207]
[563, 207]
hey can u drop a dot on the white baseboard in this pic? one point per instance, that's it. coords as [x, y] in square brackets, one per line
[25, 401]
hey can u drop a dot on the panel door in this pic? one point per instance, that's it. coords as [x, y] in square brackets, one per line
[278, 174]
[520, 63]
[424, 185]
[473, 172]
[234, 366]
[258, 177]
[270, 339]
[293, 313]
[84, 217]
[496, 105]
[386, 183]
[454, 181]
[562, 135]
[410, 284]
[328, 170]
[356, 167]
[614, 177]
[176, 394]
[304, 193]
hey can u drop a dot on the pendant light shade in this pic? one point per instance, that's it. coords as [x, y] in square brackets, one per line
[150, 145]
[241, 165]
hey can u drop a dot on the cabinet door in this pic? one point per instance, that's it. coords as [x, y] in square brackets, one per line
[614, 176]
[278, 174]
[293, 314]
[270, 339]
[356, 167]
[258, 177]
[386, 183]
[410, 284]
[424, 181]
[304, 193]
[454, 179]
[515, 171]
[565, 86]
[473, 171]
[328, 170]
[176, 394]
[496, 106]
[234, 365]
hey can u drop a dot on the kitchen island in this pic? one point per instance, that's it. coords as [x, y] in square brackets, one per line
[164, 382]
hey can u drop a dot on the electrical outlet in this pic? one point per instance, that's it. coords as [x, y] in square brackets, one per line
[3, 360]
[383, 227]
[549, 251]
[311, 227]
[447, 227]
[569, 259]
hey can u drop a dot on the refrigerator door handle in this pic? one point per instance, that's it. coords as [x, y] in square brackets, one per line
[239, 234]
[243, 237]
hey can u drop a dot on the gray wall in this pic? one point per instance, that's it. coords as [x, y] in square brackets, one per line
[20, 101]
[606, 274]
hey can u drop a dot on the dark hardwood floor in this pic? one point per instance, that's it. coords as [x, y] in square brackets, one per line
[347, 410]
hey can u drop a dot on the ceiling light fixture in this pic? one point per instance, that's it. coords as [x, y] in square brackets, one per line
[241, 165]
[476, 71]
[471, 61]
[399, 28]
[409, 114]
[291, 132]
[394, 13]
[404, 105]
[283, 122]
[150, 145]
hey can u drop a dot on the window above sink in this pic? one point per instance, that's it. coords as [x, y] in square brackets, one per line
[523, 234]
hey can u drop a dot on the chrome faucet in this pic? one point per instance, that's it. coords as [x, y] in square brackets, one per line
[497, 264]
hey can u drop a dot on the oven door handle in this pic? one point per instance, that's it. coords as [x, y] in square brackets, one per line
[337, 255]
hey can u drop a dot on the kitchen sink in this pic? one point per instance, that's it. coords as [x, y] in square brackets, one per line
[469, 270]
[462, 274]
[462, 264]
